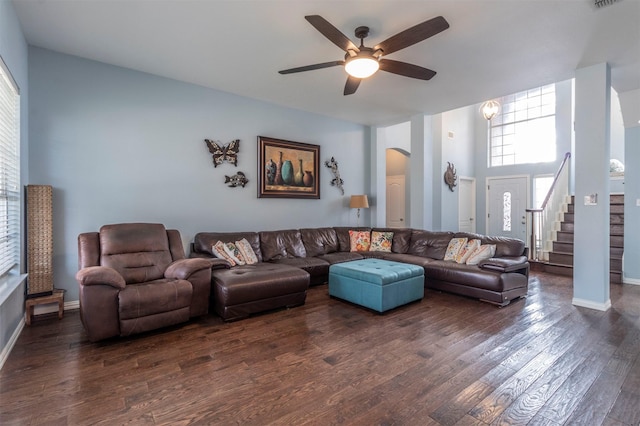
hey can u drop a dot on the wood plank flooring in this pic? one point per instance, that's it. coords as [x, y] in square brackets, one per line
[446, 360]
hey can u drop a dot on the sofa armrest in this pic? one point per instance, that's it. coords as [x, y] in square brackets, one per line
[100, 275]
[182, 269]
[505, 264]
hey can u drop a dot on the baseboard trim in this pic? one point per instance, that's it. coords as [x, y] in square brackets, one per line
[10, 344]
[591, 305]
[632, 281]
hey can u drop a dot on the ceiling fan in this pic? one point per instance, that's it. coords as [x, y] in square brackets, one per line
[362, 62]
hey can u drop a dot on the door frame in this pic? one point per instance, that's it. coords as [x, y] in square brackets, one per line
[474, 201]
[527, 232]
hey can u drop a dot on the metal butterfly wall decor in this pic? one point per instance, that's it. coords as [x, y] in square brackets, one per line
[222, 153]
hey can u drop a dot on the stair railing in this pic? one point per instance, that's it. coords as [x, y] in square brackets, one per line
[543, 219]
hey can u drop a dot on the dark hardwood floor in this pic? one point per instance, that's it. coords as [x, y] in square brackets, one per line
[445, 360]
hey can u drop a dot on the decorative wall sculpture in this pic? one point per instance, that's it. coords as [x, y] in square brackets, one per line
[239, 179]
[336, 181]
[222, 153]
[450, 176]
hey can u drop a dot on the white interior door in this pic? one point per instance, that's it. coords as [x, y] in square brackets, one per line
[396, 202]
[507, 203]
[467, 205]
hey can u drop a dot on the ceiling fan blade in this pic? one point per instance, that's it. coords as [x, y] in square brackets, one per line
[405, 69]
[413, 35]
[312, 67]
[352, 85]
[332, 33]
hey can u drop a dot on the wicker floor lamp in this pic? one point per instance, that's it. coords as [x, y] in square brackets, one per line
[39, 229]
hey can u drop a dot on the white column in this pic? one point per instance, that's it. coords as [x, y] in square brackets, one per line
[421, 178]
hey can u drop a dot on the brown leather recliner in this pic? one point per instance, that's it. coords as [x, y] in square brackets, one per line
[134, 277]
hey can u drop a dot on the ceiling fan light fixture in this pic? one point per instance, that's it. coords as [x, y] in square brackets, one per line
[489, 109]
[361, 66]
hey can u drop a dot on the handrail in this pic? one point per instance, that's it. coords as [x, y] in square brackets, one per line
[538, 215]
[555, 179]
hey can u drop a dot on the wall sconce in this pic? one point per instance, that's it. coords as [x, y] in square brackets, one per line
[489, 109]
[359, 202]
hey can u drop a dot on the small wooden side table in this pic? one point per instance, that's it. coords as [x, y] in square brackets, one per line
[56, 297]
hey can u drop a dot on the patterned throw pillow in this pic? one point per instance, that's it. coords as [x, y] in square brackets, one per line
[483, 252]
[234, 253]
[467, 250]
[381, 241]
[247, 251]
[218, 250]
[454, 247]
[360, 240]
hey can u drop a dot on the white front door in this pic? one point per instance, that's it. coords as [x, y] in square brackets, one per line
[507, 203]
[396, 202]
[467, 205]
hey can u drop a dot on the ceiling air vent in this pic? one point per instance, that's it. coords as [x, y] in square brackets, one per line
[600, 3]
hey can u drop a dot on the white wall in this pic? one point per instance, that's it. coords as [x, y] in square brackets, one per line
[122, 146]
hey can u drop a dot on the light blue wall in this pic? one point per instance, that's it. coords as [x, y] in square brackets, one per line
[591, 227]
[122, 146]
[631, 209]
[13, 49]
[458, 150]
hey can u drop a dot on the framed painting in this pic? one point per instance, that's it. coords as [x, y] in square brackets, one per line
[288, 169]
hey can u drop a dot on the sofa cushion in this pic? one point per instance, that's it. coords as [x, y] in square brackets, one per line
[454, 247]
[344, 240]
[429, 244]
[401, 238]
[232, 250]
[315, 266]
[341, 256]
[204, 241]
[154, 297]
[248, 283]
[248, 254]
[281, 244]
[138, 251]
[467, 250]
[483, 252]
[319, 241]
[219, 251]
[359, 240]
[381, 241]
[471, 276]
[505, 246]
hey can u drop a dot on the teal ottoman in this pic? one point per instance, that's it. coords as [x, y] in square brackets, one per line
[376, 284]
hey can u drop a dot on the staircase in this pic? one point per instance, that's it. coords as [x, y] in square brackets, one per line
[561, 257]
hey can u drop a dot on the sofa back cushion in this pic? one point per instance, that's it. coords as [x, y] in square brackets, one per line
[138, 251]
[505, 246]
[319, 241]
[203, 242]
[401, 238]
[429, 244]
[344, 240]
[281, 244]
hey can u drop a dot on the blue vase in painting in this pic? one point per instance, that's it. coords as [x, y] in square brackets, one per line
[287, 172]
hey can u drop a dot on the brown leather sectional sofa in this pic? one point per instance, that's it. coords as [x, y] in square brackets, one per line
[291, 260]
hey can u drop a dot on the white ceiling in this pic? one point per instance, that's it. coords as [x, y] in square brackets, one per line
[492, 48]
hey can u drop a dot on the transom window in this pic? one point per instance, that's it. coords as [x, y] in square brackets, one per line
[524, 131]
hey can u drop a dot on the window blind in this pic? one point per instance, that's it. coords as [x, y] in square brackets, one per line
[9, 170]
